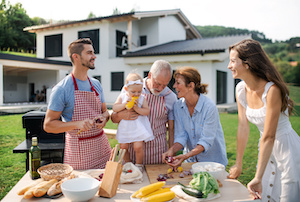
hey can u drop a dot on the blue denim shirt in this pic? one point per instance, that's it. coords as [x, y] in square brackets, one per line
[203, 128]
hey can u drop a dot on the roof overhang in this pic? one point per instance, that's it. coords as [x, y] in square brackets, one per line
[192, 32]
[19, 64]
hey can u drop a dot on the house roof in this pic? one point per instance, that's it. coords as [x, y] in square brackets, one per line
[192, 32]
[195, 46]
[4, 56]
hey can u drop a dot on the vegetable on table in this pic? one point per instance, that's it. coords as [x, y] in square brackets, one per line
[205, 182]
[151, 188]
[190, 191]
[166, 196]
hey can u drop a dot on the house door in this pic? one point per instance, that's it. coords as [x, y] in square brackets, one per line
[221, 87]
[31, 92]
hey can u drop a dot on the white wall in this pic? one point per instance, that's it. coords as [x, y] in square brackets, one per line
[173, 28]
[158, 30]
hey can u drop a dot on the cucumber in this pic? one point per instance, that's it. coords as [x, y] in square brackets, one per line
[190, 191]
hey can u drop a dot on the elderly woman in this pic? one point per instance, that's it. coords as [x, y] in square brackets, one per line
[197, 123]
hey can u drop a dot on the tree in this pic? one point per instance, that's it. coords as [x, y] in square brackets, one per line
[91, 15]
[214, 31]
[17, 19]
[116, 11]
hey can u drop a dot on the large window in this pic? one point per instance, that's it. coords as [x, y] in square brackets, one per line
[121, 42]
[94, 36]
[117, 81]
[53, 45]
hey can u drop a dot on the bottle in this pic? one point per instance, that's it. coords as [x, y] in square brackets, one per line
[34, 159]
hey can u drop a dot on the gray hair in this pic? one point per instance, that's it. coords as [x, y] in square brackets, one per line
[160, 65]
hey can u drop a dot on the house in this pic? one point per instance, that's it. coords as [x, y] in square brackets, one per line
[133, 41]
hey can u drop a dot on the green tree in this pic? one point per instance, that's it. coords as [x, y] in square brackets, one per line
[116, 11]
[214, 31]
[13, 19]
[17, 19]
[91, 15]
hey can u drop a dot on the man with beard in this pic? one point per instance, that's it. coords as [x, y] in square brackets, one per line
[80, 101]
[160, 99]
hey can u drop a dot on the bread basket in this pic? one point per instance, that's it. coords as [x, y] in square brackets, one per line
[55, 171]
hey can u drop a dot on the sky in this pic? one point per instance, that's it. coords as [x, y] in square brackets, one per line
[277, 19]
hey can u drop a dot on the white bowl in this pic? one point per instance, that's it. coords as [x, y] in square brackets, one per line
[80, 189]
[213, 168]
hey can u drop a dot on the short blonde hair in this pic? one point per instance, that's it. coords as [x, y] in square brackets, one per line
[133, 77]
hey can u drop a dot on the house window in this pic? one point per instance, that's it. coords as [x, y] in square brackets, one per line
[98, 78]
[53, 45]
[146, 73]
[117, 81]
[121, 42]
[221, 87]
[143, 40]
[94, 36]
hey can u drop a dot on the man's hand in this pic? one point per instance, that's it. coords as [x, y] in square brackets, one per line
[100, 121]
[124, 114]
[86, 124]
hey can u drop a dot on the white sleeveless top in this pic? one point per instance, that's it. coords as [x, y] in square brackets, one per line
[284, 164]
[134, 130]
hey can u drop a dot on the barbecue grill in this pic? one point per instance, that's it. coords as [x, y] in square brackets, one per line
[51, 145]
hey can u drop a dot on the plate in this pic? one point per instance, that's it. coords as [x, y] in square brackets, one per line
[139, 200]
[179, 193]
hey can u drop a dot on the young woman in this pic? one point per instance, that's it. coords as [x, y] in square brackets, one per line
[263, 99]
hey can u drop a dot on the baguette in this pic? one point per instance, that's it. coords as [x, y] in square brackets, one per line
[42, 188]
[25, 189]
[29, 193]
[56, 187]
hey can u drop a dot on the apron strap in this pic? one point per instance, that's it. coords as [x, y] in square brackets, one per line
[76, 86]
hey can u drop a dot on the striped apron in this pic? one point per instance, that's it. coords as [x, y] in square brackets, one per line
[158, 118]
[89, 149]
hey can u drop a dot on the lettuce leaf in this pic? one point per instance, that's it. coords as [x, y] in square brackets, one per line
[204, 182]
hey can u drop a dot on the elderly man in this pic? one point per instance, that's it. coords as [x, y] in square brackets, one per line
[160, 99]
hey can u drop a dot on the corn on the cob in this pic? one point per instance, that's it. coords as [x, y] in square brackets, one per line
[130, 104]
[166, 196]
[158, 192]
[135, 193]
[151, 188]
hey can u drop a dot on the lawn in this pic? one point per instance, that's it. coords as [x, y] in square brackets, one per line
[12, 165]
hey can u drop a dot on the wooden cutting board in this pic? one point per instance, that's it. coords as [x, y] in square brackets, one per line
[155, 169]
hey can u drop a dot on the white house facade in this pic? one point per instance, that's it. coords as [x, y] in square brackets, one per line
[133, 41]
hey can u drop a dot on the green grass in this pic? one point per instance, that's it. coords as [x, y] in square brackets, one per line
[12, 165]
[19, 53]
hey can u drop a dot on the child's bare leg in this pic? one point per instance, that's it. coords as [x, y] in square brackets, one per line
[139, 151]
[126, 156]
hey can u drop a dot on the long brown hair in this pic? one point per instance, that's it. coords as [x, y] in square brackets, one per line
[190, 74]
[252, 54]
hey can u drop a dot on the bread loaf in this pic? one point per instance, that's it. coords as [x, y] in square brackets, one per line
[56, 187]
[22, 191]
[29, 193]
[42, 188]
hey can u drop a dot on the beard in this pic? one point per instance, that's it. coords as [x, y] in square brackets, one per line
[88, 64]
[155, 91]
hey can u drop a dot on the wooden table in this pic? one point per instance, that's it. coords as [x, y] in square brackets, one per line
[232, 190]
